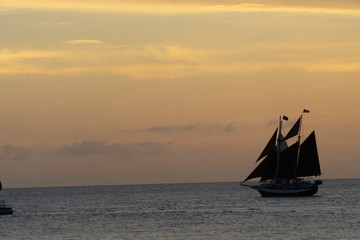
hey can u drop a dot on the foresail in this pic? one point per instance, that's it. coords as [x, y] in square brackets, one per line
[308, 164]
[269, 147]
[262, 168]
[270, 171]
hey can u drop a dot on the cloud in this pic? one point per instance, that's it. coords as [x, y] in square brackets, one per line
[7, 54]
[169, 128]
[85, 148]
[11, 152]
[83, 41]
[168, 53]
[331, 66]
[55, 23]
[171, 61]
[183, 7]
[124, 150]
[229, 128]
[208, 128]
[272, 123]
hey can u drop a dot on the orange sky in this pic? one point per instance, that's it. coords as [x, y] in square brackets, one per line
[132, 92]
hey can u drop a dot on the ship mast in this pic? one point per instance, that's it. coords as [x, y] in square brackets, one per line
[298, 142]
[278, 149]
[298, 146]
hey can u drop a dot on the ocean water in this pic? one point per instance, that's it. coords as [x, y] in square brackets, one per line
[181, 211]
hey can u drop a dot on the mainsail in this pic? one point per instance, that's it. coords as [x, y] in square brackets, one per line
[308, 164]
[294, 161]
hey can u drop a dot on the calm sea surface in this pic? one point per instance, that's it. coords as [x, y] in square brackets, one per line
[181, 211]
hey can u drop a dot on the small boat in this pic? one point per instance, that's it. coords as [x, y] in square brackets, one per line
[4, 208]
[285, 170]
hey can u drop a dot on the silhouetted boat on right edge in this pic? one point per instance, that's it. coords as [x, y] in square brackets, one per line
[285, 171]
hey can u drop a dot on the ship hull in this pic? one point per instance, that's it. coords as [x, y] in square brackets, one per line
[6, 211]
[267, 191]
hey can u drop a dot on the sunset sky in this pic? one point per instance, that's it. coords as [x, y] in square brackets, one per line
[137, 92]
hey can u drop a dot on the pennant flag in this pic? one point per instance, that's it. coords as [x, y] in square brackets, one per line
[306, 111]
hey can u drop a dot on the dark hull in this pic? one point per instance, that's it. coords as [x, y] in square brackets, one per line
[294, 192]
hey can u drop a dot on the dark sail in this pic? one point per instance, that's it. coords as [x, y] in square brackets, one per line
[270, 171]
[269, 147]
[294, 130]
[287, 164]
[267, 168]
[262, 168]
[308, 164]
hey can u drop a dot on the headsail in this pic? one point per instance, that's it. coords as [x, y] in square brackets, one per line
[269, 147]
[263, 167]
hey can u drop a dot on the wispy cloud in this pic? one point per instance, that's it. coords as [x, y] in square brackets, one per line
[85, 148]
[174, 60]
[96, 148]
[208, 128]
[56, 23]
[12, 152]
[169, 52]
[335, 65]
[11, 54]
[169, 128]
[176, 7]
[83, 41]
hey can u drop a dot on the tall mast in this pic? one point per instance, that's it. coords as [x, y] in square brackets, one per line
[298, 142]
[278, 150]
[300, 129]
[298, 145]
